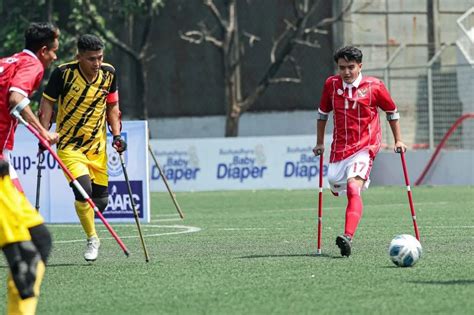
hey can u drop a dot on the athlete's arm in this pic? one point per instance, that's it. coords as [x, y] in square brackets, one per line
[115, 124]
[15, 101]
[397, 135]
[46, 112]
[320, 127]
[113, 118]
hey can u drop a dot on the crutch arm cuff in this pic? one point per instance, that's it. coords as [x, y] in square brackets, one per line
[393, 116]
[18, 108]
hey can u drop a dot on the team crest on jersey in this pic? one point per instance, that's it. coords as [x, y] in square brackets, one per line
[361, 93]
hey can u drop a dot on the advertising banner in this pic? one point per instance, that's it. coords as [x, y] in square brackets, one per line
[56, 196]
[237, 163]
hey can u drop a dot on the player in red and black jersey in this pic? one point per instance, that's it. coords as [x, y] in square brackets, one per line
[354, 100]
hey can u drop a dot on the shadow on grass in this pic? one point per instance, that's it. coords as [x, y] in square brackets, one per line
[288, 255]
[58, 265]
[445, 282]
[69, 265]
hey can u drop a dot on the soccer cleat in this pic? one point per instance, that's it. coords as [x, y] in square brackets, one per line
[344, 242]
[92, 249]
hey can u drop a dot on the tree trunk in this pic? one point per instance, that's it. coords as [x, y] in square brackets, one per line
[232, 126]
[232, 74]
[141, 89]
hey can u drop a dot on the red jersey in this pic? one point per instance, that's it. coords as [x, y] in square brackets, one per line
[355, 115]
[21, 73]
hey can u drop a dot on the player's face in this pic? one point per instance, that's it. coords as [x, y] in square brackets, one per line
[48, 55]
[348, 70]
[91, 61]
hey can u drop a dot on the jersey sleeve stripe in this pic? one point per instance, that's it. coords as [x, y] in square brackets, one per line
[49, 98]
[18, 90]
[321, 112]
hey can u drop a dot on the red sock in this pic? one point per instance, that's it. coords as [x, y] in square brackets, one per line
[354, 208]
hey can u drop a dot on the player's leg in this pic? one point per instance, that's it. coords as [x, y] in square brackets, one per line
[358, 170]
[42, 240]
[24, 281]
[100, 196]
[354, 205]
[26, 267]
[87, 216]
[97, 166]
[337, 178]
[83, 209]
[78, 165]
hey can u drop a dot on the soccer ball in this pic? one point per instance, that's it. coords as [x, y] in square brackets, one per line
[404, 250]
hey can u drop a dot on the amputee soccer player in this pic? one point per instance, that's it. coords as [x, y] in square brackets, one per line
[20, 76]
[354, 100]
[25, 252]
[87, 96]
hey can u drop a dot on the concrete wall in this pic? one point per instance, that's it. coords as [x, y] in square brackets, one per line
[251, 124]
[451, 168]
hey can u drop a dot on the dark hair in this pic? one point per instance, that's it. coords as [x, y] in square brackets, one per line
[88, 42]
[41, 34]
[348, 53]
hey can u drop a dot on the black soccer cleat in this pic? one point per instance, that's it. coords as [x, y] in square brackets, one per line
[344, 242]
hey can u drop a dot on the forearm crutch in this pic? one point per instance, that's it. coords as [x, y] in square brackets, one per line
[72, 180]
[410, 198]
[41, 158]
[135, 213]
[175, 202]
[320, 201]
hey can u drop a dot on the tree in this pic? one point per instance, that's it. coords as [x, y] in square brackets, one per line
[137, 17]
[297, 32]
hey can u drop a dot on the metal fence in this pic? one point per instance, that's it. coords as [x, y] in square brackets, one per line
[431, 98]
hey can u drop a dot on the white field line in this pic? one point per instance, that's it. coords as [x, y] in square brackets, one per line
[166, 220]
[186, 229]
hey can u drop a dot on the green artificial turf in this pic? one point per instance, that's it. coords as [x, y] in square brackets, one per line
[254, 253]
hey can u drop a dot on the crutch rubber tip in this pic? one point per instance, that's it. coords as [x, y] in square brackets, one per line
[126, 253]
[318, 252]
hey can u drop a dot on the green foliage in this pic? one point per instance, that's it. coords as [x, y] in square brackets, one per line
[16, 15]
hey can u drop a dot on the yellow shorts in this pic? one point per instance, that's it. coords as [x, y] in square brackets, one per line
[16, 214]
[80, 164]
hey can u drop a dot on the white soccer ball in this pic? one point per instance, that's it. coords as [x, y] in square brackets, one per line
[404, 250]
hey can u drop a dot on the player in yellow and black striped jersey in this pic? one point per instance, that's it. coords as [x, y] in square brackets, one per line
[87, 97]
[26, 249]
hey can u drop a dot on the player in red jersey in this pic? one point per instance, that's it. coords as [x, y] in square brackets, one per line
[20, 76]
[24, 238]
[354, 100]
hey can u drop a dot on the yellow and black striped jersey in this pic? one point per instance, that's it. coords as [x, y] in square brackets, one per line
[81, 119]
[17, 214]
